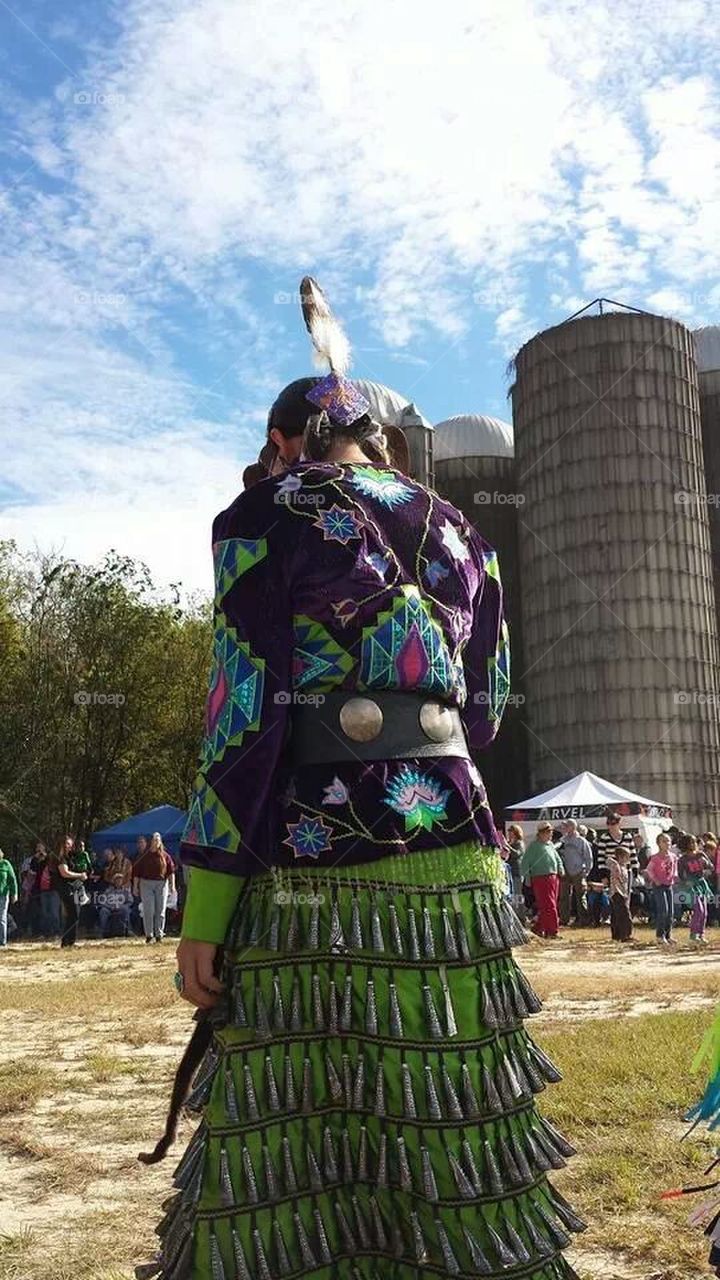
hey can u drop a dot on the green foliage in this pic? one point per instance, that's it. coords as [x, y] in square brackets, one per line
[102, 685]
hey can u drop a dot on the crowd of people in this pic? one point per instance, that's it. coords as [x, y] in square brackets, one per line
[575, 874]
[56, 892]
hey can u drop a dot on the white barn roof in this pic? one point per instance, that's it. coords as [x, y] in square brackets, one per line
[473, 435]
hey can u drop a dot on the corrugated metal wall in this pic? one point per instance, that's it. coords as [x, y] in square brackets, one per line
[710, 419]
[618, 609]
[478, 486]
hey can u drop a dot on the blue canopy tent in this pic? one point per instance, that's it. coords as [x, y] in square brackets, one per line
[165, 818]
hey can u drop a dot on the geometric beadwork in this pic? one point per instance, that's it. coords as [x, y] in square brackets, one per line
[234, 700]
[405, 649]
[499, 675]
[232, 558]
[317, 658]
[208, 821]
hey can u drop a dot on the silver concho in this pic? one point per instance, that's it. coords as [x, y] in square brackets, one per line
[436, 721]
[361, 719]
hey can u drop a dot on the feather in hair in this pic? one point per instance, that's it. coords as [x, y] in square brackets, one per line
[328, 337]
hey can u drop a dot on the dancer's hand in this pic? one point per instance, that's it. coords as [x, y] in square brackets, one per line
[196, 961]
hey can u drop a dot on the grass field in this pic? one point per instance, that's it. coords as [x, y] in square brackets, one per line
[89, 1041]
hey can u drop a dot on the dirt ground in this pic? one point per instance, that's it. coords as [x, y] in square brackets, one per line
[88, 1044]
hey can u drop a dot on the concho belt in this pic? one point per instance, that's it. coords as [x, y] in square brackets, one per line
[384, 725]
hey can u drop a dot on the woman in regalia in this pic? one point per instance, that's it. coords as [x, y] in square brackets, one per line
[367, 1098]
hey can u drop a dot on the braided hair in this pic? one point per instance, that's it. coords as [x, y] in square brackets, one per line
[293, 415]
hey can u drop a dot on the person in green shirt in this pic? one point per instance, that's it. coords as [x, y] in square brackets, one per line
[80, 859]
[541, 865]
[8, 894]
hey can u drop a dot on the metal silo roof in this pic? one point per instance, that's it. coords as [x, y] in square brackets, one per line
[707, 348]
[386, 405]
[473, 435]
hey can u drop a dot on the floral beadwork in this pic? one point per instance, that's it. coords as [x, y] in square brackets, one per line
[417, 796]
[309, 837]
[381, 485]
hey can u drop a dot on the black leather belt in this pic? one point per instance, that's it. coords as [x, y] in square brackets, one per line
[382, 725]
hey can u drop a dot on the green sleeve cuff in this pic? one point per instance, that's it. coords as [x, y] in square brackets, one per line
[209, 905]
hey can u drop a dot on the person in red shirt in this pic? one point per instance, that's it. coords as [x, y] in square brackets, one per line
[153, 877]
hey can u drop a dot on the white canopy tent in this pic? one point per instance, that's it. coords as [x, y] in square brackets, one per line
[589, 799]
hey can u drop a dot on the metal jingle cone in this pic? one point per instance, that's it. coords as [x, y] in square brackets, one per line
[227, 1191]
[217, 1267]
[432, 1020]
[532, 1000]
[536, 1081]
[308, 1257]
[562, 1144]
[272, 1185]
[346, 1009]
[322, 1240]
[517, 1244]
[274, 931]
[471, 1166]
[337, 937]
[348, 1239]
[470, 1104]
[485, 931]
[395, 934]
[455, 1111]
[333, 1020]
[315, 1177]
[262, 1269]
[358, 1089]
[413, 935]
[314, 926]
[381, 1240]
[479, 1261]
[231, 1102]
[461, 933]
[263, 1030]
[251, 1190]
[371, 1022]
[380, 1102]
[493, 1101]
[497, 1185]
[557, 1234]
[381, 1176]
[462, 1182]
[519, 1072]
[489, 1012]
[330, 1167]
[273, 1094]
[452, 1266]
[449, 940]
[420, 1248]
[289, 1174]
[536, 1155]
[360, 1225]
[396, 1023]
[284, 1265]
[405, 1175]
[431, 1095]
[546, 1066]
[278, 1012]
[428, 935]
[292, 940]
[429, 1184]
[347, 1080]
[291, 1102]
[356, 936]
[296, 1005]
[376, 933]
[241, 1267]
[505, 1254]
[566, 1213]
[450, 1019]
[409, 1104]
[348, 1173]
[240, 1018]
[362, 1161]
[307, 1104]
[512, 1174]
[317, 1005]
[521, 1159]
[540, 1243]
[557, 1161]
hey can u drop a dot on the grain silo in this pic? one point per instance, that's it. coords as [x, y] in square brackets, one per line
[394, 410]
[475, 468]
[707, 353]
[619, 630]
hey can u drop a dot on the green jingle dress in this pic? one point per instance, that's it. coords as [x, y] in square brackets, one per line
[367, 1103]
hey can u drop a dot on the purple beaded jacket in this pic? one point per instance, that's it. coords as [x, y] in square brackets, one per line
[343, 577]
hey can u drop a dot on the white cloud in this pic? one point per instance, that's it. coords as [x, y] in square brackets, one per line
[466, 163]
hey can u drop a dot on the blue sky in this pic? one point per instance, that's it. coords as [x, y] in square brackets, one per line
[457, 176]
